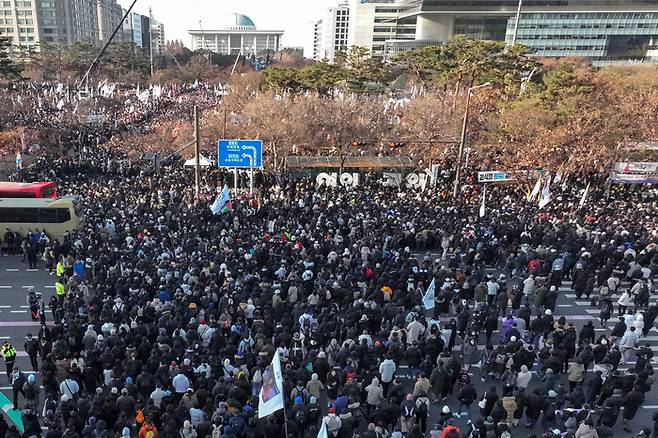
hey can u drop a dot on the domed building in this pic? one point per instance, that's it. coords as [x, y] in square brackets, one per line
[233, 34]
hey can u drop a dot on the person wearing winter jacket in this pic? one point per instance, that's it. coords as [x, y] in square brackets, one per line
[375, 394]
[627, 343]
[314, 386]
[387, 372]
[575, 374]
[333, 423]
[467, 395]
[188, 431]
[523, 378]
[624, 302]
[586, 430]
[632, 402]
[407, 414]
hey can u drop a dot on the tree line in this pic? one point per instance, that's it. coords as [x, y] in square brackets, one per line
[555, 114]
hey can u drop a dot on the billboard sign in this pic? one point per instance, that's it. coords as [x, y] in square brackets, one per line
[635, 172]
[494, 176]
[240, 153]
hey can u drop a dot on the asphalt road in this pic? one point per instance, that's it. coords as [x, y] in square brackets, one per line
[15, 324]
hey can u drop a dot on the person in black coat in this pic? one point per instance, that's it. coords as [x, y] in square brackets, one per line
[593, 384]
[534, 405]
[632, 402]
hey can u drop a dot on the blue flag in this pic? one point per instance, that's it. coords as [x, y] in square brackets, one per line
[221, 201]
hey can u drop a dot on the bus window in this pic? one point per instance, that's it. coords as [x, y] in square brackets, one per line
[48, 215]
[63, 215]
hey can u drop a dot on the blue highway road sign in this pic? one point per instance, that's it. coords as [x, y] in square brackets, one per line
[240, 153]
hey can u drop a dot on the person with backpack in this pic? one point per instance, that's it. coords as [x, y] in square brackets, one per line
[299, 416]
[333, 423]
[422, 411]
[407, 414]
[31, 391]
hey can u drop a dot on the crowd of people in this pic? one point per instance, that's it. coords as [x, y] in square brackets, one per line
[53, 115]
[165, 316]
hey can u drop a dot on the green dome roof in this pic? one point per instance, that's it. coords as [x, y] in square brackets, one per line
[236, 21]
[243, 20]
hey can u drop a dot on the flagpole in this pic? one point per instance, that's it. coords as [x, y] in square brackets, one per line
[285, 418]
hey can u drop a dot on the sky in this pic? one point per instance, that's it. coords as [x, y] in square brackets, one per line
[295, 17]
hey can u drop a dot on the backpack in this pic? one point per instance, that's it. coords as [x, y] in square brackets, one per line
[422, 409]
[139, 418]
[300, 417]
[333, 426]
[409, 411]
[29, 391]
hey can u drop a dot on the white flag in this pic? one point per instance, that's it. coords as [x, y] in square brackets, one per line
[545, 194]
[584, 198]
[60, 104]
[270, 398]
[144, 96]
[535, 190]
[484, 195]
[428, 298]
[323, 430]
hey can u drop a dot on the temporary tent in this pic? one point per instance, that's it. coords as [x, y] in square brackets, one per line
[203, 162]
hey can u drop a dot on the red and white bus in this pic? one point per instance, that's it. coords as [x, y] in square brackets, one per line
[28, 190]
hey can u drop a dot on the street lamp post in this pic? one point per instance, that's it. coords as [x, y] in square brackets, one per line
[516, 23]
[460, 152]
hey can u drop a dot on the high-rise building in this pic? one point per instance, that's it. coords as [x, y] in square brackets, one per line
[609, 31]
[145, 32]
[330, 33]
[30, 22]
[234, 34]
[374, 22]
[109, 14]
[158, 38]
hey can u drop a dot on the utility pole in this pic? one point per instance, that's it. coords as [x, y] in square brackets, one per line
[516, 23]
[460, 152]
[151, 38]
[197, 147]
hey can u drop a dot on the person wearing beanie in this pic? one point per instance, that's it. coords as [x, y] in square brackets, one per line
[31, 391]
[333, 422]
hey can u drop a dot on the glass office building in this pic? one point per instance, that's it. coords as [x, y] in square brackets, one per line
[606, 31]
[605, 37]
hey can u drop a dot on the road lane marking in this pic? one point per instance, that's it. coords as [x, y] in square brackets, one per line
[27, 287]
[12, 270]
[32, 270]
[18, 311]
[20, 323]
[6, 287]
